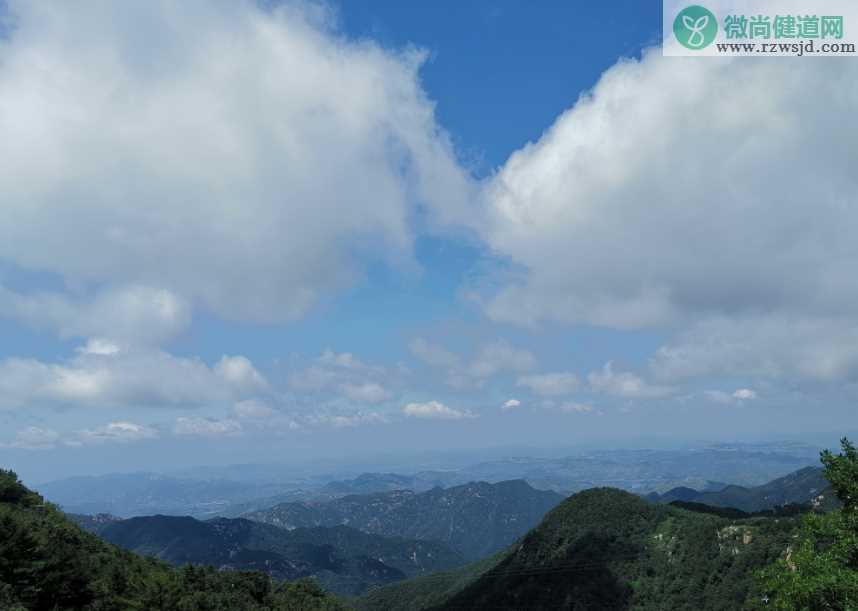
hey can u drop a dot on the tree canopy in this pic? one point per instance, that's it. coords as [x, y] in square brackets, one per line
[819, 571]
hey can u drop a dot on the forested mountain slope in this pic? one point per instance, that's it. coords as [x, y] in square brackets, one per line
[604, 549]
[476, 519]
[48, 562]
[344, 560]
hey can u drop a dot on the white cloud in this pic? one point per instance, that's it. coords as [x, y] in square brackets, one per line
[240, 373]
[753, 181]
[723, 218]
[342, 375]
[776, 347]
[252, 160]
[550, 384]
[745, 394]
[738, 397]
[511, 404]
[492, 359]
[133, 378]
[36, 438]
[33, 438]
[206, 427]
[625, 384]
[114, 432]
[123, 315]
[99, 347]
[435, 410]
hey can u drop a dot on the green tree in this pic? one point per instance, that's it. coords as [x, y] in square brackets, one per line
[47, 562]
[819, 572]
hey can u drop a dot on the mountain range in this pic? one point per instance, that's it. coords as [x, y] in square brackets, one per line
[345, 560]
[602, 549]
[607, 549]
[806, 486]
[230, 491]
[475, 519]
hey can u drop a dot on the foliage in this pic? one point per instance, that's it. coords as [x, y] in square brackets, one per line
[47, 562]
[605, 549]
[344, 560]
[819, 571]
[425, 592]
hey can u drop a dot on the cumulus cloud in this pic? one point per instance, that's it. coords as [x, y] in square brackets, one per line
[342, 375]
[744, 394]
[99, 347]
[491, 359]
[669, 198]
[113, 432]
[777, 347]
[33, 438]
[625, 384]
[104, 378]
[37, 438]
[511, 404]
[239, 373]
[603, 213]
[550, 384]
[435, 410]
[252, 160]
[123, 315]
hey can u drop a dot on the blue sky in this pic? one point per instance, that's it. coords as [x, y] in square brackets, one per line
[303, 230]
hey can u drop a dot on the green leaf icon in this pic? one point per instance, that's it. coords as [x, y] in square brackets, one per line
[695, 27]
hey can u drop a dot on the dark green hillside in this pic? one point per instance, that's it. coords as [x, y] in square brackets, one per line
[425, 592]
[604, 549]
[476, 519]
[47, 562]
[343, 559]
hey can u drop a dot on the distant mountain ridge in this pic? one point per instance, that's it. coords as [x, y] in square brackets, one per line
[232, 490]
[127, 494]
[805, 486]
[476, 519]
[344, 560]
